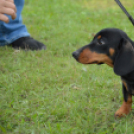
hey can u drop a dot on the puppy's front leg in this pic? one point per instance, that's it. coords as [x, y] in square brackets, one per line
[127, 103]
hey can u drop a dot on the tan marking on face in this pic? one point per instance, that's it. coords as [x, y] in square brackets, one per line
[125, 108]
[99, 37]
[111, 51]
[89, 57]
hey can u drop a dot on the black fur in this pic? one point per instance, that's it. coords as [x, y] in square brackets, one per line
[122, 58]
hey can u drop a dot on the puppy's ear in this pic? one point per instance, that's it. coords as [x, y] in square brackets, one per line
[124, 61]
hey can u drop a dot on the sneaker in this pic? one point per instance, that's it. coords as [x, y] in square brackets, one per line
[28, 43]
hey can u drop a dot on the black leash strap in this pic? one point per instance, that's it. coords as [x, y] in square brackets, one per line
[125, 11]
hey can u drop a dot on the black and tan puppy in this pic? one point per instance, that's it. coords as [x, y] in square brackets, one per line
[114, 48]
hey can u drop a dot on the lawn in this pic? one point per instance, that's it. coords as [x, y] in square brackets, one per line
[48, 92]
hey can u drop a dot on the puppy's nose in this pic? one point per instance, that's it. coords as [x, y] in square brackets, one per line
[75, 55]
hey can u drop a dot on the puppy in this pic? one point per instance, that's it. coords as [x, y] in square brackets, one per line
[112, 47]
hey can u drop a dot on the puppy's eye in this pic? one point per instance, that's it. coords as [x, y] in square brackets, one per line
[101, 42]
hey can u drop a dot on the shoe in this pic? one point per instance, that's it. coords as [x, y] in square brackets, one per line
[28, 43]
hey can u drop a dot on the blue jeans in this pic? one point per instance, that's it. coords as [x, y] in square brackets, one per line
[15, 29]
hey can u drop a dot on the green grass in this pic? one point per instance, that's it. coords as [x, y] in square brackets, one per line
[48, 92]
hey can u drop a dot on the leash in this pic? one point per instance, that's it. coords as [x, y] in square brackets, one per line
[125, 11]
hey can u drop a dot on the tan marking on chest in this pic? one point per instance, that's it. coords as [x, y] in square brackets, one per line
[125, 84]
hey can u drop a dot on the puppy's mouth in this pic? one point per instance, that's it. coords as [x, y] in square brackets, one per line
[100, 63]
[92, 62]
[95, 62]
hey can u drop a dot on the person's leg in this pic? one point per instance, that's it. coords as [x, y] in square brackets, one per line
[15, 32]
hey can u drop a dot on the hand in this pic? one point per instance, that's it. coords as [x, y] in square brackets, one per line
[7, 7]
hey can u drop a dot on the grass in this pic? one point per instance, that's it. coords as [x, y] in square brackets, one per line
[48, 92]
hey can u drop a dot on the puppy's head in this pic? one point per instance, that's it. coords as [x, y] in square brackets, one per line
[109, 46]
